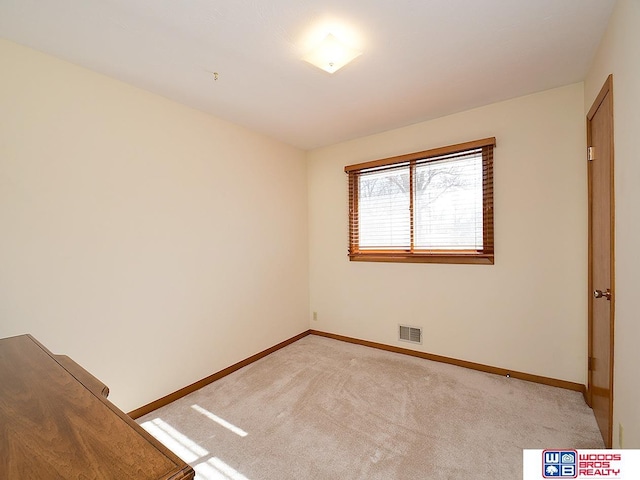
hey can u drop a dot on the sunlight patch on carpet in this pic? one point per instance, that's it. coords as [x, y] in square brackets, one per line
[178, 443]
[216, 469]
[220, 421]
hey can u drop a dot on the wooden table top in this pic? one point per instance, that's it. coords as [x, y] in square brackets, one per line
[56, 423]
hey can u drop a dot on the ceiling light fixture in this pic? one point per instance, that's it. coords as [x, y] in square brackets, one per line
[331, 54]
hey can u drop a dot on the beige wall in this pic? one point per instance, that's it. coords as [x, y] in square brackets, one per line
[618, 54]
[528, 311]
[140, 237]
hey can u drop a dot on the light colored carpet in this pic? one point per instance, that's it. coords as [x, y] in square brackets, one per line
[324, 409]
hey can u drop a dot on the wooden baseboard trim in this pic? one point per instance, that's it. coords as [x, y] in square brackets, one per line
[578, 387]
[167, 399]
[172, 397]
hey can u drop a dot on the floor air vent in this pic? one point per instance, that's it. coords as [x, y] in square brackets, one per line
[410, 334]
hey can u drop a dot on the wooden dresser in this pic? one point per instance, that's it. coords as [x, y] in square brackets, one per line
[56, 423]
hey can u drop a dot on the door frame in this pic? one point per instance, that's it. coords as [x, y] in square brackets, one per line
[607, 88]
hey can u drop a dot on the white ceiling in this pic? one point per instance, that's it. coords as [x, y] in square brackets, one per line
[422, 58]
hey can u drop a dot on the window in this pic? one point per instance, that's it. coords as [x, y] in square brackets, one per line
[433, 206]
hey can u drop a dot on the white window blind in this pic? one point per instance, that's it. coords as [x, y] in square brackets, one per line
[437, 203]
[384, 204]
[448, 203]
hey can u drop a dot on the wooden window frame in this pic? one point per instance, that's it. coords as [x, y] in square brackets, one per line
[484, 256]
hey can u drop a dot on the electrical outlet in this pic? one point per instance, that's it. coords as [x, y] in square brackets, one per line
[620, 434]
[315, 316]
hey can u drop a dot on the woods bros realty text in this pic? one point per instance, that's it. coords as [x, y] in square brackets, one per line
[598, 464]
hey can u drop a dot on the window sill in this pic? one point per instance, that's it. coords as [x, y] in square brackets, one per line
[474, 259]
